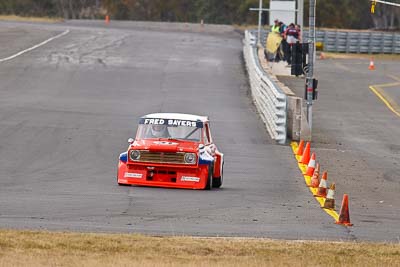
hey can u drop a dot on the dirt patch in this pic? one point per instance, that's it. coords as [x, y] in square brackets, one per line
[29, 19]
[329, 55]
[77, 249]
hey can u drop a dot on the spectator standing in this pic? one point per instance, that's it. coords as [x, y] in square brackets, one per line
[291, 36]
[272, 45]
[282, 28]
[284, 45]
[275, 27]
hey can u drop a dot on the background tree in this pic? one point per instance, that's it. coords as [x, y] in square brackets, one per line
[353, 14]
[386, 17]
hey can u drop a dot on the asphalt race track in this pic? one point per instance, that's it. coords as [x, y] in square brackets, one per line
[68, 107]
[356, 138]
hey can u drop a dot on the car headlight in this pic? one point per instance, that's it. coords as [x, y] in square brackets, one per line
[190, 158]
[134, 154]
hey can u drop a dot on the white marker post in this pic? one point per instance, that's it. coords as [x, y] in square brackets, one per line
[311, 62]
[259, 22]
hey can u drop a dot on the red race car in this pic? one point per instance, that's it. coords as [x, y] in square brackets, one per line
[172, 150]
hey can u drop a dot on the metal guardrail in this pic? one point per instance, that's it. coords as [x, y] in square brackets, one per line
[269, 99]
[354, 41]
[358, 42]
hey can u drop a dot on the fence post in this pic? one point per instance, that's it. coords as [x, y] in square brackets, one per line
[370, 43]
[336, 41]
[383, 42]
[358, 43]
[326, 41]
[348, 42]
[394, 43]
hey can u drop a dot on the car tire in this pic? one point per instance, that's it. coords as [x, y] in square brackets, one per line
[210, 179]
[217, 181]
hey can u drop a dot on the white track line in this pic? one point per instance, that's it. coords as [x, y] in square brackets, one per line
[34, 47]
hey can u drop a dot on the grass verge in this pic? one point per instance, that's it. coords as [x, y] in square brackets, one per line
[394, 57]
[30, 248]
[29, 19]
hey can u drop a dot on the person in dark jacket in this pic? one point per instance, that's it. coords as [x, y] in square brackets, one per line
[284, 45]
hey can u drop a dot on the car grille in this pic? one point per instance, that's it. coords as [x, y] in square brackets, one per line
[162, 157]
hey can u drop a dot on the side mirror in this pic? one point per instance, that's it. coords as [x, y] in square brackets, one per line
[131, 140]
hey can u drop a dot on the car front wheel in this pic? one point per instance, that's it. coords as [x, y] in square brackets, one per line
[217, 181]
[210, 179]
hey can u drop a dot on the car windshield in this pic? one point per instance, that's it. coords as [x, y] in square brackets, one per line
[146, 131]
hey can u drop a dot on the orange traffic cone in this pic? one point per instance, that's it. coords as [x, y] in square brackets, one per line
[330, 198]
[322, 186]
[344, 217]
[306, 154]
[107, 19]
[311, 166]
[315, 178]
[371, 64]
[300, 148]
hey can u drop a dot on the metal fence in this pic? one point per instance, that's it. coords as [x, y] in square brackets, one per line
[355, 41]
[269, 99]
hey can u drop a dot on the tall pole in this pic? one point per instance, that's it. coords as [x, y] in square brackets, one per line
[300, 13]
[259, 23]
[311, 61]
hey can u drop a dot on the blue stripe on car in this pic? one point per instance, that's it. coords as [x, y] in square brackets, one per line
[123, 157]
[205, 160]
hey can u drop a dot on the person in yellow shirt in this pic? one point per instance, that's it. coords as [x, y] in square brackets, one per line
[275, 27]
[272, 46]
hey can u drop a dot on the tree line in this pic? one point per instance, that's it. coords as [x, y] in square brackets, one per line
[354, 14]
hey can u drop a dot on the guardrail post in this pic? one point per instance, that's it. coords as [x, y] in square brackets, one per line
[382, 42]
[394, 43]
[326, 41]
[359, 43]
[370, 43]
[348, 42]
[336, 41]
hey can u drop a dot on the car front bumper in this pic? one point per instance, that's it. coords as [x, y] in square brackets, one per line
[176, 176]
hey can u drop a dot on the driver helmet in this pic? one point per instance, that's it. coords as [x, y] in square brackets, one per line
[159, 130]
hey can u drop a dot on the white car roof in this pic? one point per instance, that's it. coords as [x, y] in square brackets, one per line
[176, 116]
